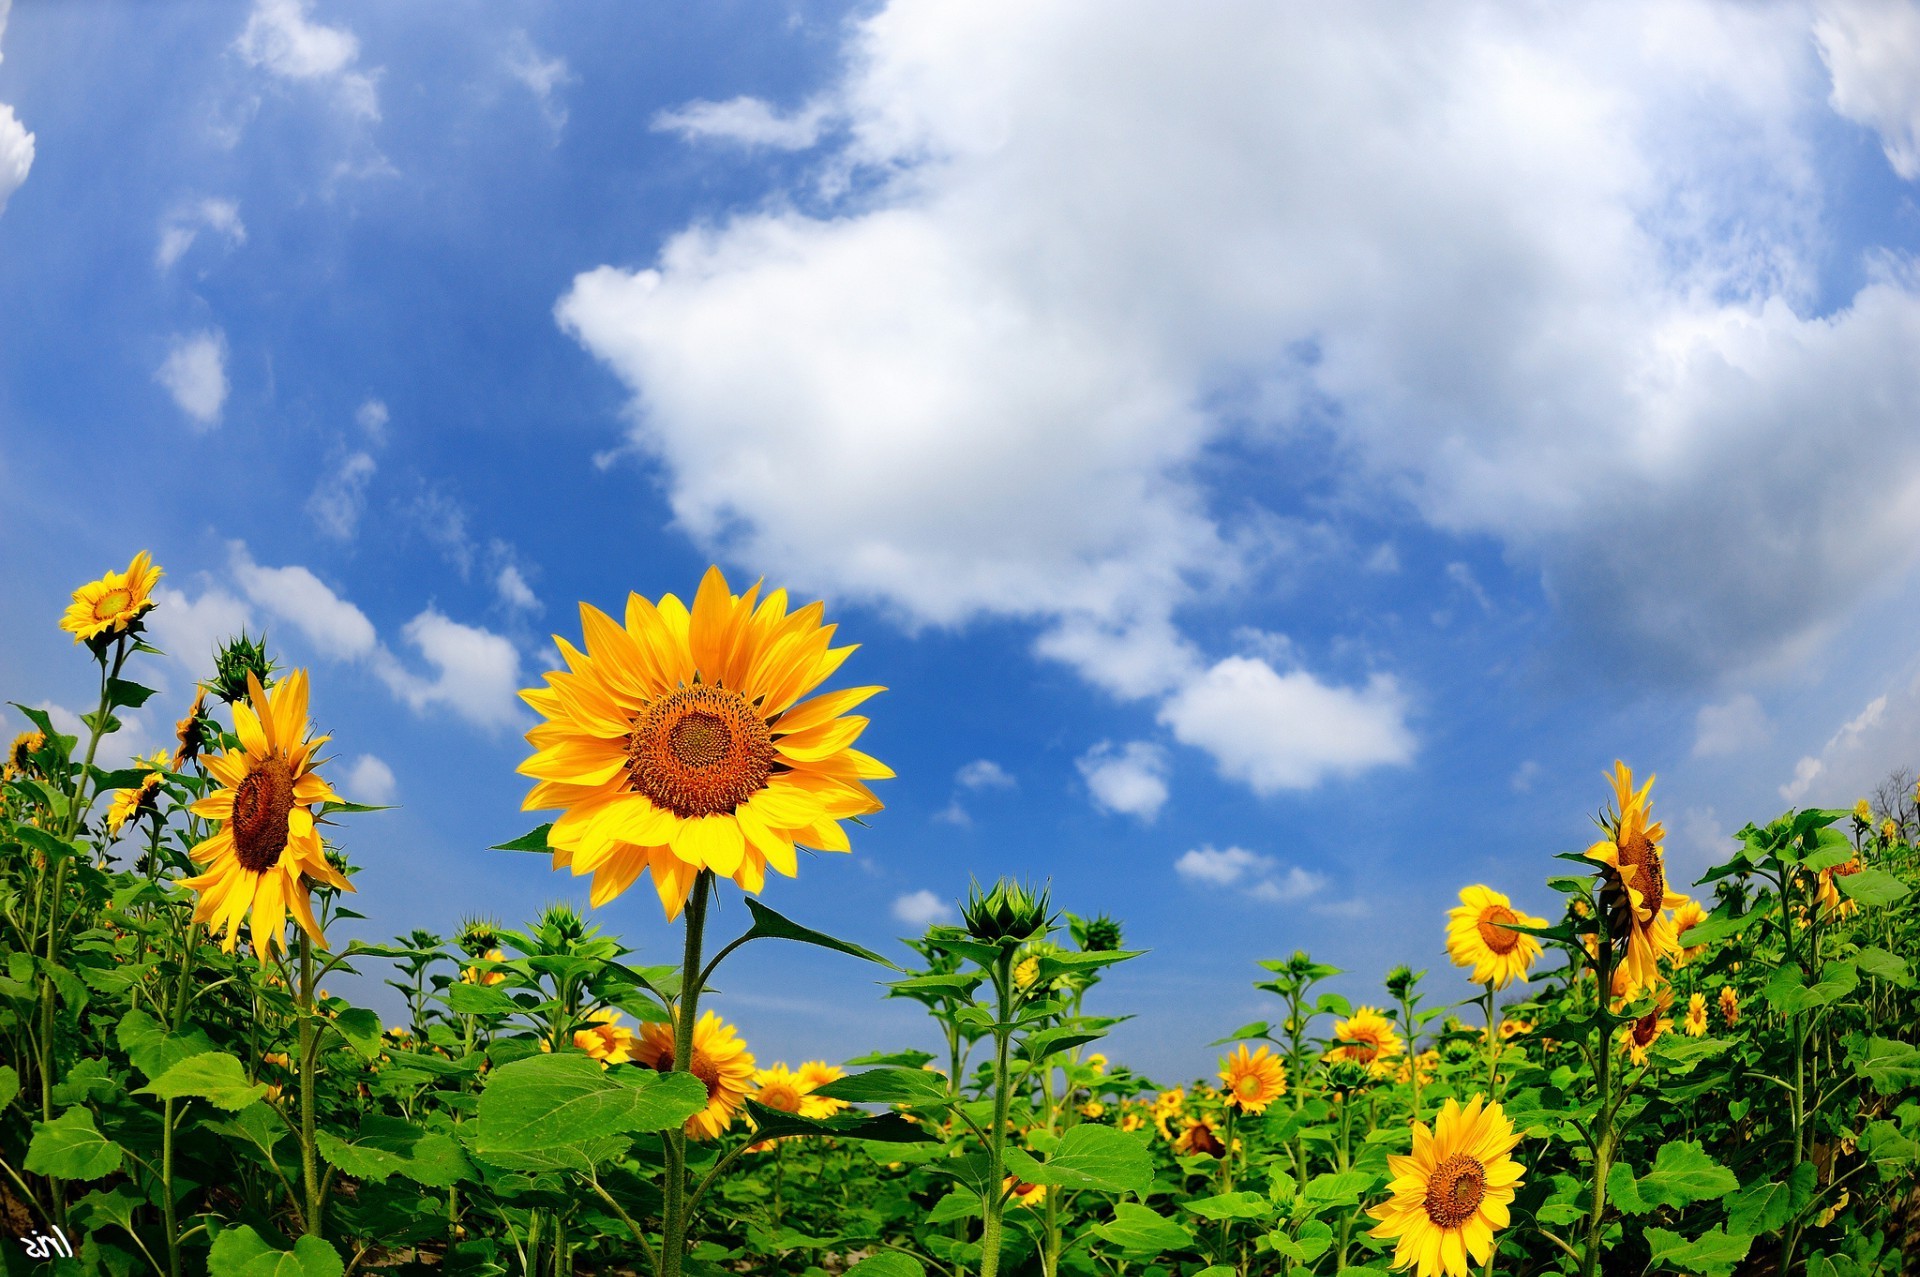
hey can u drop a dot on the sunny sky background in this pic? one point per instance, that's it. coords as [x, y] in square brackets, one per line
[1278, 455]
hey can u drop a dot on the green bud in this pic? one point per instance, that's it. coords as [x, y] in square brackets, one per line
[237, 658]
[1100, 934]
[1011, 911]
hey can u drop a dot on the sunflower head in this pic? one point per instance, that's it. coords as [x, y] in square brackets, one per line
[1696, 1025]
[1634, 893]
[778, 1088]
[605, 1038]
[1452, 1192]
[237, 664]
[1201, 1135]
[479, 975]
[1688, 916]
[1638, 1035]
[1863, 814]
[191, 734]
[1481, 936]
[141, 799]
[720, 1060]
[478, 936]
[1011, 913]
[25, 746]
[1729, 1006]
[1023, 1193]
[1253, 1081]
[1366, 1037]
[113, 605]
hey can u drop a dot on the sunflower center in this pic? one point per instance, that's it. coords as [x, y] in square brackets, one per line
[1640, 851]
[111, 604]
[1455, 1190]
[260, 808]
[1646, 1028]
[1362, 1050]
[778, 1096]
[699, 751]
[1496, 937]
[707, 1071]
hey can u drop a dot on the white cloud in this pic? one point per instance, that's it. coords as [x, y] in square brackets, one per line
[1885, 734]
[195, 374]
[1288, 731]
[1462, 575]
[983, 773]
[542, 76]
[443, 520]
[953, 814]
[369, 780]
[341, 495]
[1260, 877]
[1872, 52]
[333, 626]
[984, 386]
[1130, 779]
[1728, 728]
[747, 122]
[280, 38]
[921, 908]
[192, 630]
[16, 144]
[476, 672]
[182, 226]
[514, 591]
[372, 417]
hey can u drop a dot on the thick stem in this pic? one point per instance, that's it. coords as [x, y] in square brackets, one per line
[673, 1238]
[1493, 1045]
[994, 1200]
[1603, 1114]
[166, 1188]
[309, 1066]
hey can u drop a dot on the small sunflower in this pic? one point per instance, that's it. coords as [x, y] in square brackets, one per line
[1453, 1192]
[606, 1040]
[1685, 918]
[1510, 1029]
[1093, 1110]
[1202, 1135]
[114, 602]
[1863, 812]
[190, 733]
[1167, 1106]
[474, 975]
[1253, 1080]
[811, 1076]
[1635, 893]
[1638, 1036]
[1829, 890]
[138, 799]
[678, 743]
[1025, 1194]
[267, 850]
[1696, 1025]
[1026, 972]
[1729, 1006]
[778, 1088]
[1889, 831]
[720, 1059]
[25, 746]
[1366, 1037]
[1480, 935]
[1427, 1062]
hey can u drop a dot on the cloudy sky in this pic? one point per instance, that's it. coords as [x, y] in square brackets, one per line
[1278, 455]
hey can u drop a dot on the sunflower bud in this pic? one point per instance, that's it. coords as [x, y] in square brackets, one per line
[236, 659]
[477, 937]
[1011, 912]
[1401, 982]
[1099, 934]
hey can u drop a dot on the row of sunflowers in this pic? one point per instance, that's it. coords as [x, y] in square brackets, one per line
[1650, 1082]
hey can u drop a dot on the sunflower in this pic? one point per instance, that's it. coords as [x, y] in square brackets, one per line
[20, 753]
[1863, 812]
[720, 1059]
[813, 1075]
[267, 847]
[1696, 1025]
[1026, 973]
[474, 975]
[678, 743]
[1635, 892]
[1018, 1190]
[1830, 898]
[1453, 1192]
[1166, 1106]
[1480, 935]
[778, 1088]
[1510, 1029]
[1202, 1135]
[140, 798]
[607, 1040]
[1093, 1110]
[190, 732]
[1253, 1081]
[1889, 830]
[114, 602]
[1427, 1062]
[1638, 1036]
[1366, 1037]
[1685, 918]
[1729, 1005]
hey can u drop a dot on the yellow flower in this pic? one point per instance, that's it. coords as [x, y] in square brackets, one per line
[1638, 1036]
[1132, 1120]
[1729, 1005]
[1889, 830]
[813, 1075]
[1830, 898]
[25, 745]
[1166, 1106]
[1026, 972]
[1253, 1081]
[1202, 1135]
[1510, 1029]
[267, 848]
[1479, 935]
[114, 602]
[273, 1092]
[474, 975]
[1453, 1192]
[778, 1088]
[1093, 1110]
[720, 1059]
[678, 743]
[1024, 1193]
[1367, 1037]
[1863, 812]
[1696, 1025]
[607, 1040]
[128, 803]
[1635, 892]
[276, 1058]
[190, 732]
[1428, 1062]
[1098, 1063]
[1686, 917]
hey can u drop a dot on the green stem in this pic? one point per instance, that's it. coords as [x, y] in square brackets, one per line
[994, 1201]
[1603, 1112]
[166, 1188]
[1226, 1186]
[673, 1239]
[1493, 1044]
[309, 1043]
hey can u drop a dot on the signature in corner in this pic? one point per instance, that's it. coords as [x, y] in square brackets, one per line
[41, 1246]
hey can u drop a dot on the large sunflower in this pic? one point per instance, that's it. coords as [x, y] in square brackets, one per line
[113, 602]
[1635, 893]
[720, 1059]
[678, 742]
[1453, 1192]
[1480, 935]
[267, 848]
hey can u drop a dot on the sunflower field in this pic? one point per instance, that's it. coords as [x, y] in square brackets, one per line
[1717, 1080]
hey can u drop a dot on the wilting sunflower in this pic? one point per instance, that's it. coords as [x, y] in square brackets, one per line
[114, 602]
[1202, 1135]
[267, 848]
[20, 753]
[1480, 936]
[720, 1059]
[1696, 1025]
[1366, 1037]
[678, 743]
[1638, 1036]
[1635, 893]
[1685, 918]
[1729, 1006]
[1453, 1192]
[606, 1040]
[1253, 1081]
[140, 798]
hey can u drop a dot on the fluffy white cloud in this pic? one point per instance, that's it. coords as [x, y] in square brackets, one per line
[341, 495]
[1872, 51]
[983, 773]
[921, 908]
[543, 77]
[477, 672]
[1729, 727]
[182, 226]
[195, 374]
[369, 780]
[1130, 779]
[514, 591]
[16, 144]
[1885, 734]
[280, 38]
[1096, 241]
[1288, 731]
[372, 417]
[192, 630]
[333, 626]
[747, 122]
[1258, 876]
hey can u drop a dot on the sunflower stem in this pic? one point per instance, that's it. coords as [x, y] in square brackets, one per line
[994, 1200]
[309, 1041]
[1604, 1111]
[673, 1240]
[1493, 1043]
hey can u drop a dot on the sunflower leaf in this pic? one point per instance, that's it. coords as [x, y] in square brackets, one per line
[888, 1264]
[1682, 1174]
[241, 1252]
[567, 1108]
[1771, 1204]
[882, 1128]
[213, 1076]
[1872, 887]
[72, 1147]
[768, 925]
[916, 1087]
[1140, 1230]
[535, 841]
[1096, 1157]
[1235, 1205]
[1710, 1254]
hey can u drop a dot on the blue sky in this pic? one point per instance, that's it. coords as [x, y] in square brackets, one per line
[1278, 457]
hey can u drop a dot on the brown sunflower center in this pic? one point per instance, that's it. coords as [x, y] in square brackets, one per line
[1639, 851]
[778, 1095]
[1455, 1190]
[1492, 934]
[260, 808]
[111, 604]
[1362, 1049]
[1646, 1028]
[699, 751]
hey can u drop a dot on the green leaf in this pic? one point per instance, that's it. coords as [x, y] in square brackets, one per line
[239, 1252]
[1234, 1205]
[478, 999]
[9, 1084]
[89, 1080]
[1682, 1174]
[1096, 1157]
[1886, 966]
[213, 1076]
[361, 1028]
[883, 1128]
[565, 1110]
[1719, 927]
[887, 1264]
[258, 1124]
[1888, 1148]
[1872, 887]
[1142, 1231]
[1246, 1032]
[116, 1207]
[1680, 1052]
[1712, 1253]
[54, 849]
[1623, 1192]
[151, 1048]
[71, 1147]
[128, 695]
[1341, 1189]
[889, 1086]
[1890, 1066]
[768, 925]
[535, 841]
[1770, 1205]
[957, 985]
